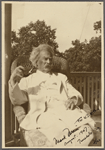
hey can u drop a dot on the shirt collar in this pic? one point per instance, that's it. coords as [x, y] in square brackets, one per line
[43, 73]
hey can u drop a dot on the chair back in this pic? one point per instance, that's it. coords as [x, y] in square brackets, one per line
[60, 65]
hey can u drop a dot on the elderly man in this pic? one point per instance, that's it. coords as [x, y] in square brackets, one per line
[53, 102]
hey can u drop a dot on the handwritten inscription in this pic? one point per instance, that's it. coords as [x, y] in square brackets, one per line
[70, 132]
[70, 141]
[94, 110]
[81, 132]
[58, 141]
[76, 136]
[95, 141]
[86, 116]
[80, 141]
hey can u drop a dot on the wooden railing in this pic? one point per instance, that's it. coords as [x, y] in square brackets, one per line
[89, 85]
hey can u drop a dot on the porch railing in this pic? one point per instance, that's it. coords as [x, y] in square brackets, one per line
[89, 85]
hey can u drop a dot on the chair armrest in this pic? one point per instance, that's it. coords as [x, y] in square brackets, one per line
[86, 108]
[19, 113]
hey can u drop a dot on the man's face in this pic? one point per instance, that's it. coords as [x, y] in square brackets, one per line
[45, 62]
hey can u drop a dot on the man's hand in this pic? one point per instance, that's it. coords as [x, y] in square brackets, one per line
[16, 75]
[71, 103]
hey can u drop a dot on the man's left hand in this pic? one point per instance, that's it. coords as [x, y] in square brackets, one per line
[70, 104]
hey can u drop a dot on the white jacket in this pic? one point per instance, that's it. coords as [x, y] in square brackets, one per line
[40, 88]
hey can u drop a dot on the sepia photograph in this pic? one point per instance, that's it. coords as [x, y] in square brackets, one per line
[52, 74]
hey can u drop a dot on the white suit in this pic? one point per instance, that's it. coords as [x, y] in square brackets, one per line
[47, 95]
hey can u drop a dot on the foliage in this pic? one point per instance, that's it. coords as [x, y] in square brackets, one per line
[97, 26]
[31, 36]
[85, 56]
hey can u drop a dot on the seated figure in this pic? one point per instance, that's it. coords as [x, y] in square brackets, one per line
[53, 103]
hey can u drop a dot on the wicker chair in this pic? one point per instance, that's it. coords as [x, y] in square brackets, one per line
[59, 65]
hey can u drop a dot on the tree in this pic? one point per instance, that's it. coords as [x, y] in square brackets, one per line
[75, 56]
[97, 26]
[31, 36]
[85, 56]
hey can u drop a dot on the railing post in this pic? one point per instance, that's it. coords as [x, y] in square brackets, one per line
[92, 90]
[84, 90]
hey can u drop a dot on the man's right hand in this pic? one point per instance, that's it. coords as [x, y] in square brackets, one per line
[17, 75]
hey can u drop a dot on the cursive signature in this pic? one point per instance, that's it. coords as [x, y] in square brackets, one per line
[79, 140]
[58, 141]
[64, 137]
[70, 132]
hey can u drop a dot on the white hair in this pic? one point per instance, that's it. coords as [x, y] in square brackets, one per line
[34, 56]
